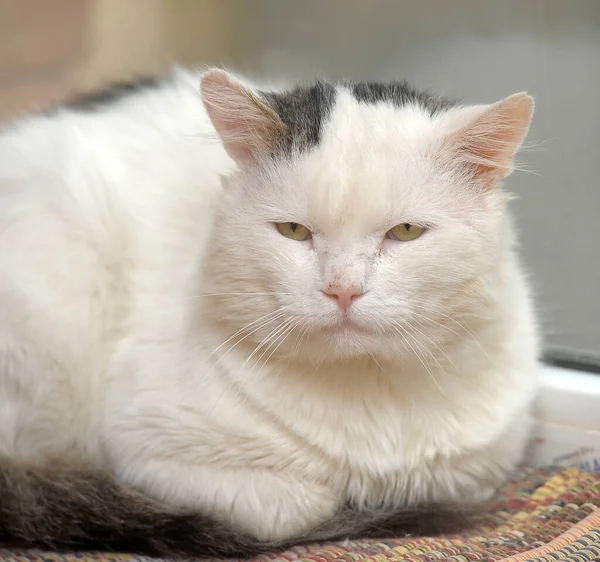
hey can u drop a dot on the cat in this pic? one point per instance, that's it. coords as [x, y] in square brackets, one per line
[233, 318]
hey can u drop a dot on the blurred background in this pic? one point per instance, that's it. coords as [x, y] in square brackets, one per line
[477, 50]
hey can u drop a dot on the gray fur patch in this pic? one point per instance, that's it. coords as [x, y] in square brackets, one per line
[112, 93]
[399, 94]
[303, 110]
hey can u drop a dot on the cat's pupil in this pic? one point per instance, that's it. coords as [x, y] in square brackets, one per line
[293, 226]
[407, 226]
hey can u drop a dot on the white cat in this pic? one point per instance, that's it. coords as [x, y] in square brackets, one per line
[283, 315]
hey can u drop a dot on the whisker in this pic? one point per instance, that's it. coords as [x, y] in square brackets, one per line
[237, 383]
[266, 341]
[462, 326]
[424, 335]
[286, 332]
[376, 362]
[277, 314]
[406, 335]
[296, 347]
[250, 294]
[281, 329]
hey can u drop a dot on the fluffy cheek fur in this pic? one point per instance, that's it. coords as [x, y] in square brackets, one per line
[418, 296]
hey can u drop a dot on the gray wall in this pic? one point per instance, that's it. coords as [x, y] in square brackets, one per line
[479, 50]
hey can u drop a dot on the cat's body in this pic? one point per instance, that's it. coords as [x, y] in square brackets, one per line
[135, 292]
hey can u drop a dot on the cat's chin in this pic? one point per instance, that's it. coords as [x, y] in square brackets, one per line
[345, 329]
[347, 340]
[346, 325]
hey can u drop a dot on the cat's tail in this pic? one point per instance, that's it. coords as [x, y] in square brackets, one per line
[57, 508]
[53, 508]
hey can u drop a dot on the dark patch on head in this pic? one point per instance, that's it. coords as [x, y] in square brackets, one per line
[303, 110]
[110, 94]
[399, 94]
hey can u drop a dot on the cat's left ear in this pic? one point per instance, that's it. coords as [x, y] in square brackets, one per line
[248, 127]
[487, 138]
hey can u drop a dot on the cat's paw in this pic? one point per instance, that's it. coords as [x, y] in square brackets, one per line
[282, 509]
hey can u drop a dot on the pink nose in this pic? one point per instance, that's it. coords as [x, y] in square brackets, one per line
[344, 297]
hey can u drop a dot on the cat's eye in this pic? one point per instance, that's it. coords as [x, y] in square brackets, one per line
[405, 232]
[293, 230]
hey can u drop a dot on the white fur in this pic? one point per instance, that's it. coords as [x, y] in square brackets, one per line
[119, 300]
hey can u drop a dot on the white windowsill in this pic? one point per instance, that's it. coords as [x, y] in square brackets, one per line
[568, 410]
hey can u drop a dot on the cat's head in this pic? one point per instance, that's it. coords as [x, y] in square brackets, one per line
[364, 218]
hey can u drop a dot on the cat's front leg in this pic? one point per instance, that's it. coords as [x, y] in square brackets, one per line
[267, 505]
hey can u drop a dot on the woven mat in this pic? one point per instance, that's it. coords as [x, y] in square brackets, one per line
[542, 517]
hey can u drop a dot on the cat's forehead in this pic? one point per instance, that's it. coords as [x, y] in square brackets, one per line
[369, 161]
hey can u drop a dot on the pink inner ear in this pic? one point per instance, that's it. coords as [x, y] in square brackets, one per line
[246, 125]
[490, 141]
[225, 102]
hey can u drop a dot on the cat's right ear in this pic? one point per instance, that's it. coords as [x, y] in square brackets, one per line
[486, 138]
[248, 127]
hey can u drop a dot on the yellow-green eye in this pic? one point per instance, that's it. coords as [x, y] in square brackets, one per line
[293, 230]
[405, 232]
